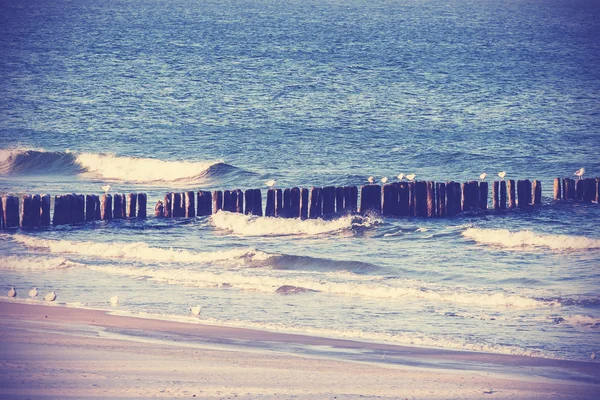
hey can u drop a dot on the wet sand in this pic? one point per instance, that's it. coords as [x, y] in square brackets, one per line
[52, 352]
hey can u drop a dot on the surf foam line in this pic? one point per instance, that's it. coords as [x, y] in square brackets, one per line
[141, 251]
[344, 284]
[107, 167]
[36, 263]
[247, 225]
[528, 239]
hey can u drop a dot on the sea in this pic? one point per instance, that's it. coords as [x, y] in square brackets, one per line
[154, 96]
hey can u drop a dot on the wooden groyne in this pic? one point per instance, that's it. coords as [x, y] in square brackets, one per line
[399, 199]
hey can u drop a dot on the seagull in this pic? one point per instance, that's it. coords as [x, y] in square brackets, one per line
[371, 179]
[270, 183]
[50, 296]
[400, 177]
[33, 293]
[502, 174]
[593, 356]
[410, 177]
[106, 188]
[482, 176]
[196, 310]
[580, 172]
[114, 301]
[384, 179]
[12, 292]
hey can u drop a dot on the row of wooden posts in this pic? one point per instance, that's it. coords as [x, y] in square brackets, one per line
[69, 209]
[400, 199]
[423, 199]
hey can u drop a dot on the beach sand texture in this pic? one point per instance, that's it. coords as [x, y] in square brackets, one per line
[52, 352]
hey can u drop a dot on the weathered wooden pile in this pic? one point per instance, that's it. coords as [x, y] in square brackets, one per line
[69, 209]
[398, 199]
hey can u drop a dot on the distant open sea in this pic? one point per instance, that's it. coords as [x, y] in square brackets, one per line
[154, 95]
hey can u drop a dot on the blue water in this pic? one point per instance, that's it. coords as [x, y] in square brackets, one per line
[152, 95]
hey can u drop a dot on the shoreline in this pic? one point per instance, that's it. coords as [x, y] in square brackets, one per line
[70, 339]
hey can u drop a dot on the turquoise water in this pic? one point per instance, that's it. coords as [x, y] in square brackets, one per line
[151, 96]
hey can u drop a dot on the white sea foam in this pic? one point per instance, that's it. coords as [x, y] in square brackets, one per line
[529, 239]
[332, 283]
[110, 167]
[36, 263]
[141, 251]
[247, 225]
[583, 321]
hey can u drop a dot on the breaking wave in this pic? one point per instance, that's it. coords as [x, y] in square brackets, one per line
[109, 167]
[529, 239]
[36, 263]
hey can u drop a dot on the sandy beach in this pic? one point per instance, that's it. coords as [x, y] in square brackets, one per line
[51, 352]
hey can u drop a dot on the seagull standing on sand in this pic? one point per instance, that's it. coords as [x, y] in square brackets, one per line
[50, 296]
[384, 179]
[12, 292]
[114, 301]
[580, 172]
[411, 177]
[482, 176]
[270, 183]
[196, 310]
[502, 174]
[400, 177]
[106, 188]
[33, 293]
[371, 179]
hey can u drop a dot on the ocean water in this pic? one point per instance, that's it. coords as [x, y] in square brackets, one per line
[152, 96]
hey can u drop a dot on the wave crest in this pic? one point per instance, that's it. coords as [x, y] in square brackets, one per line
[528, 239]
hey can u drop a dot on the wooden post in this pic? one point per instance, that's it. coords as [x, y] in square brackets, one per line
[470, 200]
[131, 205]
[527, 191]
[26, 212]
[503, 195]
[597, 190]
[96, 208]
[351, 198]
[569, 192]
[57, 211]
[142, 200]
[466, 196]
[190, 205]
[451, 207]
[80, 212]
[45, 210]
[204, 203]
[249, 202]
[278, 203]
[537, 193]
[328, 201]
[239, 201]
[257, 209]
[117, 206]
[411, 198]
[370, 199]
[316, 203]
[106, 207]
[287, 203]
[228, 201]
[36, 210]
[176, 209]
[403, 199]
[391, 204]
[217, 201]
[294, 203]
[168, 205]
[304, 195]
[496, 195]
[431, 209]
[483, 195]
[90, 207]
[589, 190]
[2, 224]
[11, 211]
[557, 192]
[440, 196]
[270, 208]
[512, 199]
[340, 206]
[159, 209]
[421, 199]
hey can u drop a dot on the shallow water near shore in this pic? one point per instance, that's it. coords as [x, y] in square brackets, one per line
[156, 96]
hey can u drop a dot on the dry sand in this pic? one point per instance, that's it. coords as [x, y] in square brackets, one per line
[54, 352]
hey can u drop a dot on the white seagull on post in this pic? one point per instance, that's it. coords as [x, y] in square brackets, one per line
[270, 183]
[106, 188]
[580, 172]
[411, 177]
[482, 176]
[400, 177]
[384, 179]
[502, 174]
[371, 179]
